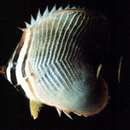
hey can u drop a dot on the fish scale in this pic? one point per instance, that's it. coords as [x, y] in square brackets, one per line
[50, 66]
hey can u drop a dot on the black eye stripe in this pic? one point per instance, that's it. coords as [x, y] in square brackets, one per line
[13, 75]
[14, 80]
[14, 62]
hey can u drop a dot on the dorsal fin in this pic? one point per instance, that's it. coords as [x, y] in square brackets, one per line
[45, 14]
[53, 9]
[60, 9]
[27, 24]
[38, 15]
[67, 7]
[32, 20]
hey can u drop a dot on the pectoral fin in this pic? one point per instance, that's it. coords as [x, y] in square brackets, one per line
[35, 108]
[98, 71]
[119, 68]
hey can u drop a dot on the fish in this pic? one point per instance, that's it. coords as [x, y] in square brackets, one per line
[50, 67]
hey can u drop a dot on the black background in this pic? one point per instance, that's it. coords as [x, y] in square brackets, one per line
[14, 112]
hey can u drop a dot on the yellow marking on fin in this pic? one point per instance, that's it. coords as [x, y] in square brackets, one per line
[98, 70]
[34, 108]
[119, 68]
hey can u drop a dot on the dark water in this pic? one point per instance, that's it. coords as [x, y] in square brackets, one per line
[14, 111]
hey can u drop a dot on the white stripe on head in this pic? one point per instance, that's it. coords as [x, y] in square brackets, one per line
[22, 80]
[8, 72]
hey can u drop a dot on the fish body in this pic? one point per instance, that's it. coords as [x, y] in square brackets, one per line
[48, 63]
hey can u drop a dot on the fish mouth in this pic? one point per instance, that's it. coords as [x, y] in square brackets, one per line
[3, 70]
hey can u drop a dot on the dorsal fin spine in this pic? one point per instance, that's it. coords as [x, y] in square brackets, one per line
[27, 24]
[46, 12]
[38, 15]
[32, 20]
[53, 9]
